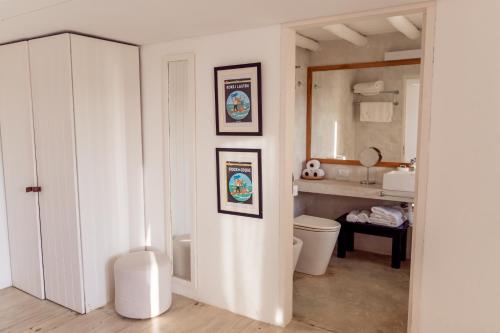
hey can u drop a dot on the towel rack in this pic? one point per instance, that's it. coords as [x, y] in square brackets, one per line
[393, 92]
[396, 92]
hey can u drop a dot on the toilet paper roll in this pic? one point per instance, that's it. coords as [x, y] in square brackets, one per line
[307, 172]
[321, 173]
[318, 173]
[313, 164]
[313, 172]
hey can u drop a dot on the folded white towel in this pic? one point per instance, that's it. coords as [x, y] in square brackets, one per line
[385, 222]
[377, 112]
[391, 211]
[353, 216]
[369, 88]
[361, 216]
[313, 164]
[389, 216]
[364, 216]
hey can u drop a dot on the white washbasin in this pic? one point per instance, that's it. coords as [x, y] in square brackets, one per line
[399, 180]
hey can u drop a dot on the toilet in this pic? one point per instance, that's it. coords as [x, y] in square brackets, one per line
[182, 256]
[319, 236]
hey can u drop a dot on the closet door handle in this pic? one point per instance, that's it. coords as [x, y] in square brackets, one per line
[36, 189]
[29, 189]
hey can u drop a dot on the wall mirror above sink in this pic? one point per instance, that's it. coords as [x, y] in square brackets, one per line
[352, 107]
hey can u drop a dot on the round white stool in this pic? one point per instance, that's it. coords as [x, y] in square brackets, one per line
[143, 284]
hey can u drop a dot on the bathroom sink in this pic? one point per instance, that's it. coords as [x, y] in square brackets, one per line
[399, 180]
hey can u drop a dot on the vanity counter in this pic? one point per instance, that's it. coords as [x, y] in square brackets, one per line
[351, 189]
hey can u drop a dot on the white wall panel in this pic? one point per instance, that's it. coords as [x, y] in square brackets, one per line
[460, 290]
[108, 143]
[54, 138]
[5, 272]
[19, 170]
[238, 258]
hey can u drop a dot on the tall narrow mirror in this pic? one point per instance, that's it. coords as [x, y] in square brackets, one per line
[181, 162]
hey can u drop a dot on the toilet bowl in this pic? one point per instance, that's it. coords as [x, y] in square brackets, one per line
[182, 256]
[319, 236]
[297, 247]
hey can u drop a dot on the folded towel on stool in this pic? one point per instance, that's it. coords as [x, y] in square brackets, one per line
[364, 216]
[388, 211]
[353, 216]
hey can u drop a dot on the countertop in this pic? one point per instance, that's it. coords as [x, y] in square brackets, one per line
[352, 189]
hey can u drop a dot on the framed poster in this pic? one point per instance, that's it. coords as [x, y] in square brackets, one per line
[238, 99]
[239, 182]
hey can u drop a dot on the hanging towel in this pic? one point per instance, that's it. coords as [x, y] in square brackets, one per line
[378, 112]
[369, 88]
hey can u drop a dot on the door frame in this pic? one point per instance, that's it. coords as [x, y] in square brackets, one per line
[287, 150]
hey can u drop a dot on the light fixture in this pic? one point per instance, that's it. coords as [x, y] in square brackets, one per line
[405, 26]
[306, 43]
[347, 33]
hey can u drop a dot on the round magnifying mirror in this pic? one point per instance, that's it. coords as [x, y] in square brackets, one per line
[368, 158]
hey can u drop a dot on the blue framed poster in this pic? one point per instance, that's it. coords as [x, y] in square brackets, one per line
[238, 99]
[239, 182]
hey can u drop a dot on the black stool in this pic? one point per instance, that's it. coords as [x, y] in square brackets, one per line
[399, 237]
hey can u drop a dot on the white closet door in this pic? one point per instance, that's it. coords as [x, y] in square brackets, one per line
[108, 142]
[51, 81]
[16, 130]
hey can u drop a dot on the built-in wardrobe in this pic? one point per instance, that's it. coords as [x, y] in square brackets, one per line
[70, 129]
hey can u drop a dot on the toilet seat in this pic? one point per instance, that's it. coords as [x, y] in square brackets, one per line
[317, 224]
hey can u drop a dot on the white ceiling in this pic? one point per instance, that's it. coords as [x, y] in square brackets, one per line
[150, 21]
[369, 27]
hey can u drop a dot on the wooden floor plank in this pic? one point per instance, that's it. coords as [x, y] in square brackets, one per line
[21, 312]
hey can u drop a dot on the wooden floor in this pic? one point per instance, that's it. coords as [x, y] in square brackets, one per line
[20, 312]
[361, 293]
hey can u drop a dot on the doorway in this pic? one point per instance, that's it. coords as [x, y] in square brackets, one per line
[291, 83]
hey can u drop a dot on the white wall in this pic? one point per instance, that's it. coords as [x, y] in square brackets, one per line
[237, 261]
[5, 277]
[302, 58]
[238, 258]
[460, 289]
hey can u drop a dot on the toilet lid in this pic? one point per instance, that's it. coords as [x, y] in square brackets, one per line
[316, 223]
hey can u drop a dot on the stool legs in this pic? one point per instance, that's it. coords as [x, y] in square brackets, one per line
[396, 251]
[350, 241]
[404, 239]
[342, 244]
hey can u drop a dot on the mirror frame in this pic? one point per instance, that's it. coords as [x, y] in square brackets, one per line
[311, 70]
